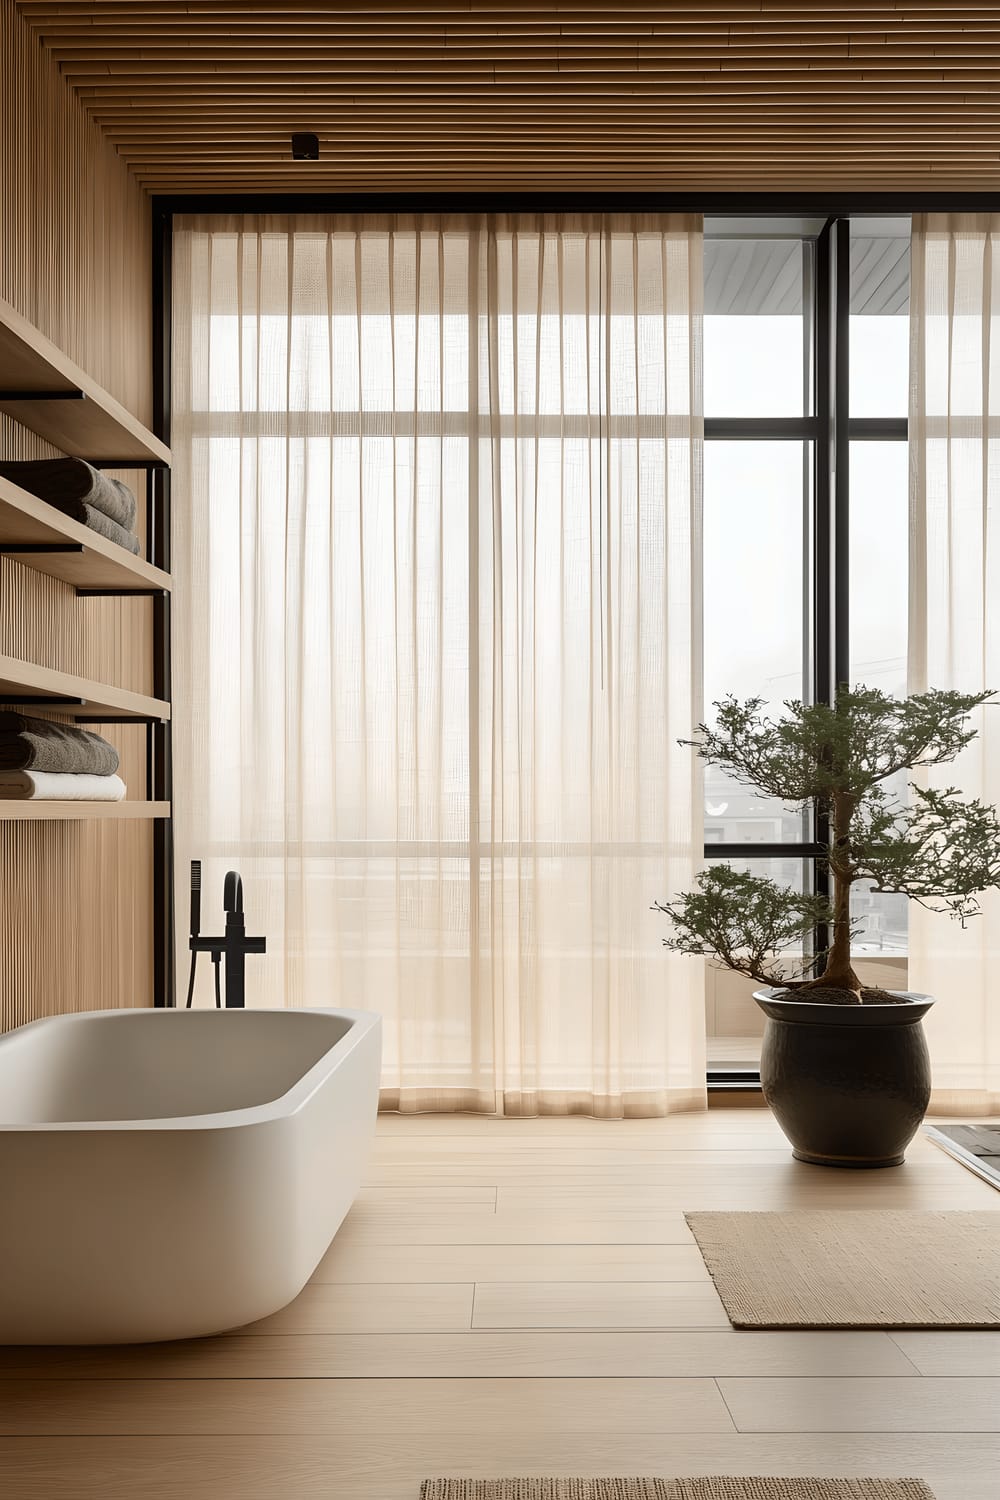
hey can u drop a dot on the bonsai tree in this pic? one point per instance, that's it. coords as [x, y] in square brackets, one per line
[936, 848]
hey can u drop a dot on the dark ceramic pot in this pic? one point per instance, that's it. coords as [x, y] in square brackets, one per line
[848, 1084]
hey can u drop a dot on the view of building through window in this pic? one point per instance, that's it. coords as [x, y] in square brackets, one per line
[879, 522]
[760, 605]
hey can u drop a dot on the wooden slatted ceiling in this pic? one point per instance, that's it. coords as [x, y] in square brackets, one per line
[467, 96]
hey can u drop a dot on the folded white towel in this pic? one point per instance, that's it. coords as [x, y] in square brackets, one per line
[59, 786]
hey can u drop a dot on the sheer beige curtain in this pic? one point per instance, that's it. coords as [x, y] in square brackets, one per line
[955, 607]
[437, 634]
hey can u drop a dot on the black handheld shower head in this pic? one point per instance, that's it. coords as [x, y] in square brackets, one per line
[195, 925]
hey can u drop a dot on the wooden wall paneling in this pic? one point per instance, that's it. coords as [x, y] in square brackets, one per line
[76, 921]
[75, 917]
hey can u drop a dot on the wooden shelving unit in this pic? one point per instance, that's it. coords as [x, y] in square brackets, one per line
[23, 683]
[40, 812]
[43, 538]
[44, 390]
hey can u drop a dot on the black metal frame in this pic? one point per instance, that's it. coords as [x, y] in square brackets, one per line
[159, 767]
[830, 428]
[813, 205]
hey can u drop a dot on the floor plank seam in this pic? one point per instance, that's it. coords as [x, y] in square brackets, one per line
[903, 1352]
[136, 1379]
[864, 1432]
[563, 1281]
[129, 1379]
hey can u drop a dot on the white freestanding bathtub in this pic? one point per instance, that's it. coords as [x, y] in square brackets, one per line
[166, 1174]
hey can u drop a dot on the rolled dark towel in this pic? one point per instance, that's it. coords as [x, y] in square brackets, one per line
[28, 744]
[71, 485]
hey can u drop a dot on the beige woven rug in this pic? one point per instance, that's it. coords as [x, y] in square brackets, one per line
[674, 1489]
[860, 1268]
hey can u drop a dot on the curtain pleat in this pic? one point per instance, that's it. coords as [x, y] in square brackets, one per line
[954, 430]
[437, 634]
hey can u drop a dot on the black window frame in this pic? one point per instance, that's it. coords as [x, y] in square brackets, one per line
[831, 429]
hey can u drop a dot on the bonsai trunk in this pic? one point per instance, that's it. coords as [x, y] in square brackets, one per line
[839, 972]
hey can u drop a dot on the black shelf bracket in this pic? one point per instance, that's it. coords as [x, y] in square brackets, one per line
[95, 718]
[148, 465]
[70, 395]
[119, 593]
[44, 700]
[27, 549]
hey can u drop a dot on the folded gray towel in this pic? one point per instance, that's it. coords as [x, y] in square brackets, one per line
[28, 744]
[71, 484]
[104, 526]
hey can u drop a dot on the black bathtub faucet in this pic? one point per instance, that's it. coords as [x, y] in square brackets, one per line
[234, 945]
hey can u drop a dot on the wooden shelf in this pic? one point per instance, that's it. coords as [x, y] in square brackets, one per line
[71, 811]
[23, 683]
[44, 390]
[90, 561]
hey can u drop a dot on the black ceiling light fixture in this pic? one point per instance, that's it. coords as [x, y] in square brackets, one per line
[305, 146]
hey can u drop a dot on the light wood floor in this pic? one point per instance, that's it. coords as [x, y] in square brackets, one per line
[523, 1297]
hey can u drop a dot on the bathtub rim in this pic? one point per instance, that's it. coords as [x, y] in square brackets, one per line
[286, 1105]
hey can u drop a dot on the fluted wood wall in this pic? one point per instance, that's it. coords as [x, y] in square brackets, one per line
[75, 898]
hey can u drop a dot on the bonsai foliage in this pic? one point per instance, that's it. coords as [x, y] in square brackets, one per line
[937, 848]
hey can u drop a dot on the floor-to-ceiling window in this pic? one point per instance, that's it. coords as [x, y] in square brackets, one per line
[805, 541]
[806, 378]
